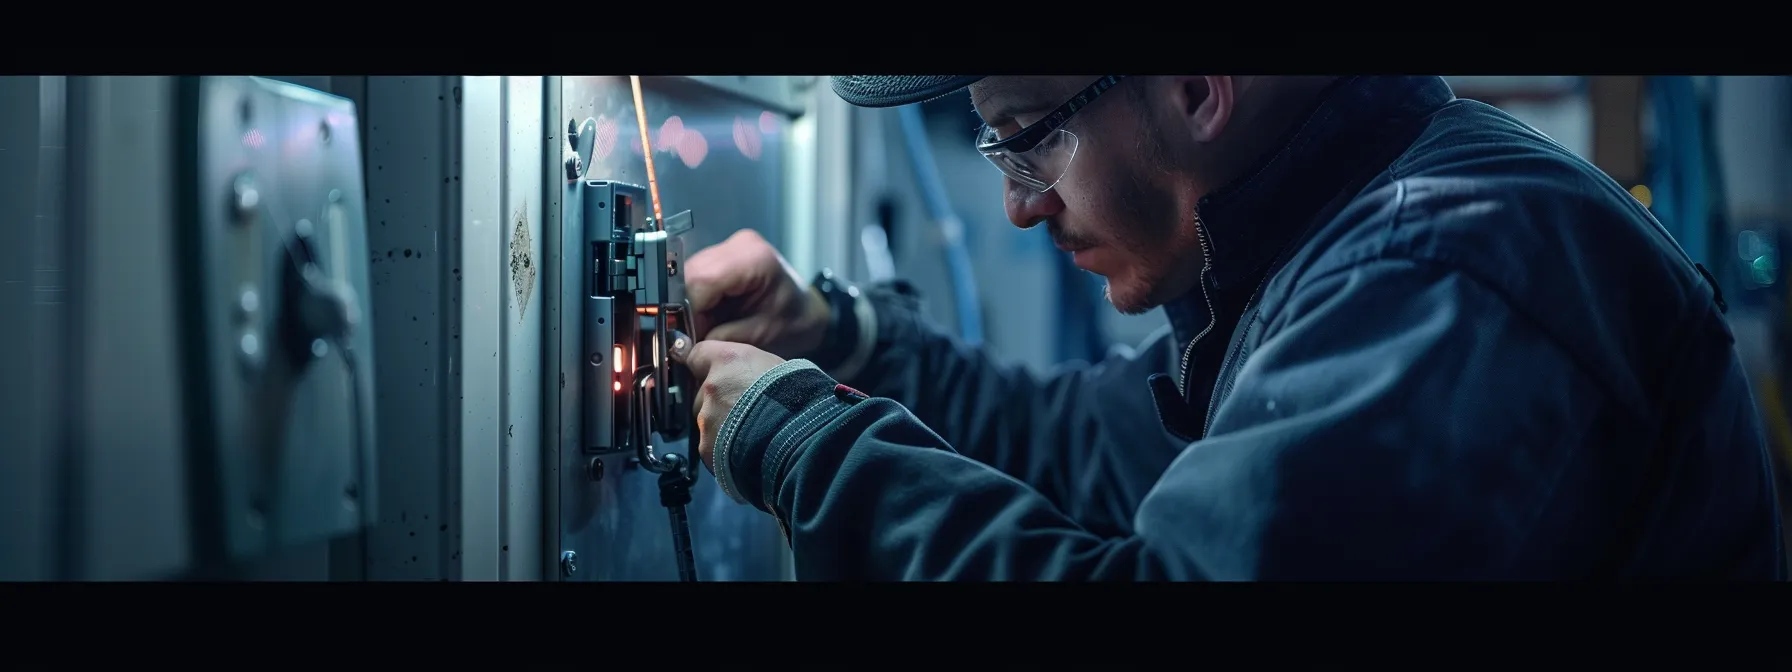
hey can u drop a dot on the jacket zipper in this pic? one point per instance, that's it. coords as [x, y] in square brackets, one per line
[1212, 317]
[1248, 314]
[1250, 319]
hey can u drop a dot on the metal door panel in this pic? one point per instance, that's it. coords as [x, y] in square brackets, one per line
[722, 157]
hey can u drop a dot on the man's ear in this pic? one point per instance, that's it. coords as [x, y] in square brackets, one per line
[1204, 103]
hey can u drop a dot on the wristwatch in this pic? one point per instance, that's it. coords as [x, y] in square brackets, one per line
[843, 320]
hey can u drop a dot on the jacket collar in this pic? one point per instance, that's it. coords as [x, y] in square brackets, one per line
[1252, 220]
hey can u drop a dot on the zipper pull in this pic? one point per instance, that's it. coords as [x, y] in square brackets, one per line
[1172, 410]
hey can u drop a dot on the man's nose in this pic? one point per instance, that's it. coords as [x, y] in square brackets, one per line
[1026, 207]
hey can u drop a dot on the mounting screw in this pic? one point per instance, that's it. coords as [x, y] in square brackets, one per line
[245, 197]
[249, 352]
[595, 469]
[569, 562]
[247, 303]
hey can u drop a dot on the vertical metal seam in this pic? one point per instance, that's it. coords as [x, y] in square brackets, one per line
[504, 312]
[553, 177]
[76, 219]
[452, 227]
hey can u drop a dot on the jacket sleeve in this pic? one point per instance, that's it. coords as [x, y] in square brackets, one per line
[1327, 461]
[1085, 435]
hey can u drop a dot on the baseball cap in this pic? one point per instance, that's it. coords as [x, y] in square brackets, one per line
[896, 90]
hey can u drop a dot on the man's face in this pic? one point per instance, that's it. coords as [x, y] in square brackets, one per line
[1123, 207]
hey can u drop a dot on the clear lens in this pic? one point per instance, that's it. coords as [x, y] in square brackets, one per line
[1039, 168]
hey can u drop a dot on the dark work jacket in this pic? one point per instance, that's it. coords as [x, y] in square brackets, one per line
[1430, 343]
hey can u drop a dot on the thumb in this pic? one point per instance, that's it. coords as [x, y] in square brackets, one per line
[699, 358]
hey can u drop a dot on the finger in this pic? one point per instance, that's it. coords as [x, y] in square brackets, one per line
[739, 331]
[714, 274]
[701, 358]
[706, 449]
[700, 322]
[704, 431]
[697, 407]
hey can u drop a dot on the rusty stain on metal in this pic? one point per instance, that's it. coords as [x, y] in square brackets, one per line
[522, 261]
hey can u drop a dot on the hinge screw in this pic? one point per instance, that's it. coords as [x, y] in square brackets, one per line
[569, 563]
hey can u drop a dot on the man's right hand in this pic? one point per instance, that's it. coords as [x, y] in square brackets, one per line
[741, 290]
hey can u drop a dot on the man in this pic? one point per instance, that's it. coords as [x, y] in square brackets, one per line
[1413, 338]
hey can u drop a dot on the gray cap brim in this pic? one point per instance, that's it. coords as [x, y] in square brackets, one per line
[895, 90]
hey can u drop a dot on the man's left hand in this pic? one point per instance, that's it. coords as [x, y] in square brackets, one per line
[723, 372]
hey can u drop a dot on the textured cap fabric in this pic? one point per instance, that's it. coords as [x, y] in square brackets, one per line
[895, 90]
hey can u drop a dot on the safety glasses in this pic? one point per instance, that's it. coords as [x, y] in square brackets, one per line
[1040, 154]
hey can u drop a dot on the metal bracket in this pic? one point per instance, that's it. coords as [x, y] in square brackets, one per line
[277, 204]
[581, 138]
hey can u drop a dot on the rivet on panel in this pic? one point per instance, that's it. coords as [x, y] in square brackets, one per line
[569, 563]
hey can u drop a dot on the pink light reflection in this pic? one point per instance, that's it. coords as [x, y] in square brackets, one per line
[254, 139]
[605, 140]
[768, 122]
[747, 139]
[671, 133]
[692, 147]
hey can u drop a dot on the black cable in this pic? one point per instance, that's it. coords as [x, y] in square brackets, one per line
[677, 471]
[680, 482]
[675, 495]
[682, 542]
